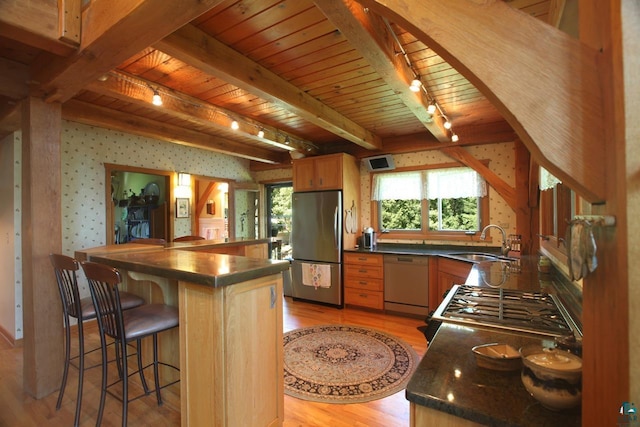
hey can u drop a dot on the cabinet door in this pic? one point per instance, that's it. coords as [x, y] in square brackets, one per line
[328, 172]
[303, 175]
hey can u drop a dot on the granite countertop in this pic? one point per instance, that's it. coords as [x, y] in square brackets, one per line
[448, 379]
[203, 268]
[432, 250]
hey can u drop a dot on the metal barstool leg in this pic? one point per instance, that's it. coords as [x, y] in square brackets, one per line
[125, 383]
[143, 380]
[76, 422]
[67, 360]
[156, 377]
[103, 389]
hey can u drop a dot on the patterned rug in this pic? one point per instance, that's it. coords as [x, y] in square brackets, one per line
[345, 364]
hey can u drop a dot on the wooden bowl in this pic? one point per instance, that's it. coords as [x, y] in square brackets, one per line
[496, 356]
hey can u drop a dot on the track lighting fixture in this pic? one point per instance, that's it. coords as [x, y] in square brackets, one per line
[431, 108]
[454, 137]
[415, 85]
[447, 123]
[261, 133]
[287, 141]
[235, 125]
[157, 99]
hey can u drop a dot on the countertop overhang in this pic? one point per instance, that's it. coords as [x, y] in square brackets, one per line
[202, 268]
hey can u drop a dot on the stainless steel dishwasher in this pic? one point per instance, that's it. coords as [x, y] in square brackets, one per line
[406, 284]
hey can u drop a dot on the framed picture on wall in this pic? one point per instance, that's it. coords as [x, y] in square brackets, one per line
[182, 208]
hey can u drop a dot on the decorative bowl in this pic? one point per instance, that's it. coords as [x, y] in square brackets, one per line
[552, 376]
[496, 356]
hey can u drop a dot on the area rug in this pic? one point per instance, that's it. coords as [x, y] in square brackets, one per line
[345, 364]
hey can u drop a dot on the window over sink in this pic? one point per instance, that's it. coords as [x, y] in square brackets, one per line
[435, 203]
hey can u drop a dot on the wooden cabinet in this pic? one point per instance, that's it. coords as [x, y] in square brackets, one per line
[318, 173]
[231, 353]
[364, 280]
[450, 272]
[257, 250]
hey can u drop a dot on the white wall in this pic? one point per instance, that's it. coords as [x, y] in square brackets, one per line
[10, 243]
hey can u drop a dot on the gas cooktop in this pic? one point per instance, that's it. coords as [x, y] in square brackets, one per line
[531, 312]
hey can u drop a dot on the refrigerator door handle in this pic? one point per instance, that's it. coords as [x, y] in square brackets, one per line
[335, 228]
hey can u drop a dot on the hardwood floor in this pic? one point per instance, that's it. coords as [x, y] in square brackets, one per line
[17, 409]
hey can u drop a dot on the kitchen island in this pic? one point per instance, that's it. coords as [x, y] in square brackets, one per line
[229, 341]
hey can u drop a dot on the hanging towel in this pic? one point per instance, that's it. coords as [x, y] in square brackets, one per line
[581, 248]
[316, 275]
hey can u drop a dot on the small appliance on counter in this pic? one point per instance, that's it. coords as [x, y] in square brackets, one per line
[369, 238]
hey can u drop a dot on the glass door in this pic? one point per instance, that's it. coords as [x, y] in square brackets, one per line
[279, 218]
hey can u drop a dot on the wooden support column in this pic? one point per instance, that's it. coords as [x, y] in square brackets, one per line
[41, 235]
[526, 213]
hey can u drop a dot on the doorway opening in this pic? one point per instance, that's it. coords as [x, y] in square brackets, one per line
[278, 198]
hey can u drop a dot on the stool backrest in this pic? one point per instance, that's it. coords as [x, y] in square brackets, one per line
[103, 285]
[187, 238]
[65, 269]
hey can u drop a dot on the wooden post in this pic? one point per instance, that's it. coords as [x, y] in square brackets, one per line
[41, 235]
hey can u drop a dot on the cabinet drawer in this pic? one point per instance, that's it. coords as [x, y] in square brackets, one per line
[364, 283]
[370, 299]
[355, 271]
[358, 258]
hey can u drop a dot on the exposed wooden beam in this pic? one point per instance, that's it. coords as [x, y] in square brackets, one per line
[70, 18]
[138, 91]
[33, 23]
[114, 31]
[10, 119]
[196, 48]
[90, 114]
[507, 192]
[370, 36]
[13, 79]
[544, 82]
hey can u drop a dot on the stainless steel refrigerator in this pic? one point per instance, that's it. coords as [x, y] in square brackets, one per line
[316, 239]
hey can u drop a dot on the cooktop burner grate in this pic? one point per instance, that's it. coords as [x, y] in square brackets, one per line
[533, 312]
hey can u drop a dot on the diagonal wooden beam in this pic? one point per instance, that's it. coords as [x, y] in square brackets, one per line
[198, 49]
[370, 36]
[507, 192]
[112, 32]
[138, 91]
[544, 82]
[90, 114]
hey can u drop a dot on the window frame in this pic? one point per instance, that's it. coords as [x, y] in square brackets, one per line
[427, 234]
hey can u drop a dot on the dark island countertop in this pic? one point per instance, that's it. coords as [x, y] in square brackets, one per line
[449, 380]
[202, 268]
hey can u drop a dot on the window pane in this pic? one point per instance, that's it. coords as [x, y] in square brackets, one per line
[401, 214]
[460, 214]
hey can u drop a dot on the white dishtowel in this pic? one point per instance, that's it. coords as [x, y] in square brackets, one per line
[316, 275]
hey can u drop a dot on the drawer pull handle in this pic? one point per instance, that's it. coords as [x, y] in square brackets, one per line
[362, 259]
[363, 271]
[363, 283]
[363, 295]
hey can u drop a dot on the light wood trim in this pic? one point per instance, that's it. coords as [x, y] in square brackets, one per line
[422, 416]
[548, 110]
[194, 47]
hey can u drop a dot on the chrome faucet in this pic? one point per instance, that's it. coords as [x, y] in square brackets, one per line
[505, 244]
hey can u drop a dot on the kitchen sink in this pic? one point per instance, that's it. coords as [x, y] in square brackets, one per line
[476, 256]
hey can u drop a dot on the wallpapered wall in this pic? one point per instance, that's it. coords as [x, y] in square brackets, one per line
[502, 163]
[85, 149]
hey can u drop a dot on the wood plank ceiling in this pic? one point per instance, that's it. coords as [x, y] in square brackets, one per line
[315, 77]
